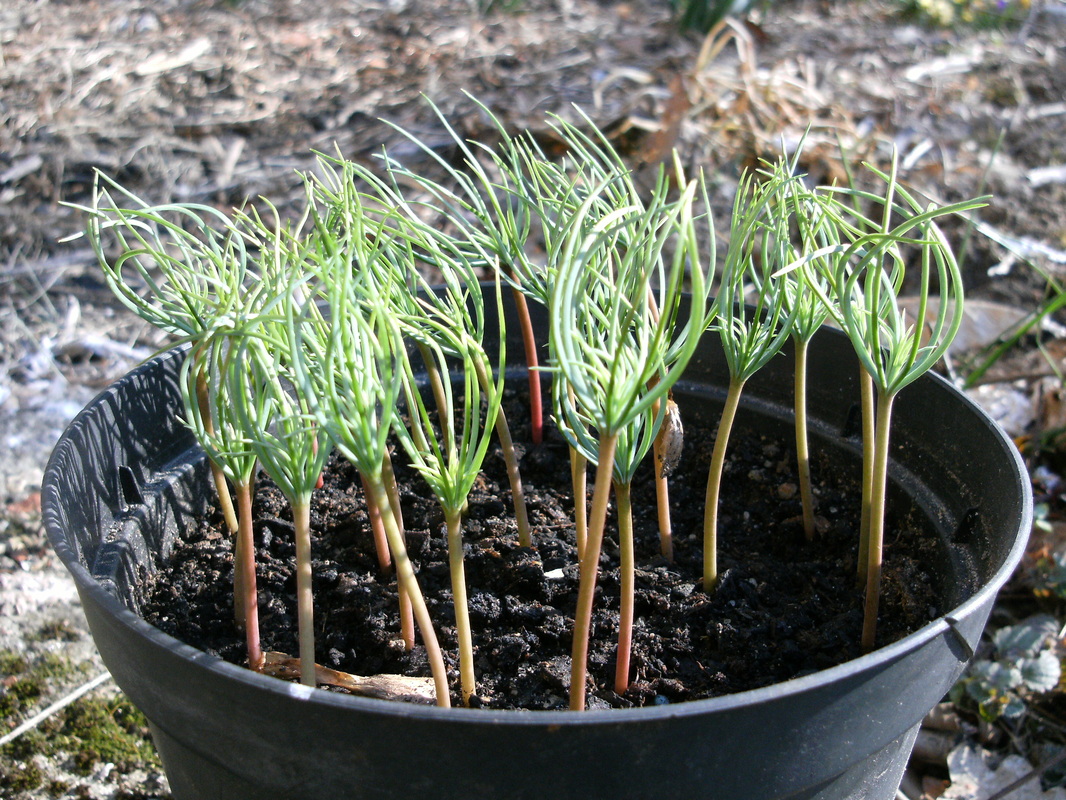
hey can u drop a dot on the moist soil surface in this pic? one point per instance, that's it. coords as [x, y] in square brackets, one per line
[784, 606]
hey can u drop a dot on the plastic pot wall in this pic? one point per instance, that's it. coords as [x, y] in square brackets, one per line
[126, 477]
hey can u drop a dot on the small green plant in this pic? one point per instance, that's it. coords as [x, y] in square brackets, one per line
[451, 470]
[893, 350]
[211, 414]
[276, 416]
[179, 267]
[617, 355]
[750, 337]
[1020, 664]
[812, 244]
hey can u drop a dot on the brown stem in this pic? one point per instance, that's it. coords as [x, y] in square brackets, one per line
[301, 513]
[228, 512]
[245, 567]
[590, 567]
[377, 527]
[529, 341]
[225, 502]
[627, 568]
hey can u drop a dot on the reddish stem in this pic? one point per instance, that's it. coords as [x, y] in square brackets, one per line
[529, 341]
[245, 567]
[381, 544]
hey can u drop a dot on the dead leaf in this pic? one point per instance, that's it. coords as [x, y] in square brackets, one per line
[384, 687]
[983, 321]
[972, 779]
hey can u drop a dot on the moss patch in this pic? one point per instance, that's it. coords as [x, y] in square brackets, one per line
[21, 778]
[24, 682]
[90, 731]
[102, 730]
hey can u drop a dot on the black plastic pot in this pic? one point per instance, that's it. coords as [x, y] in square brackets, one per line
[126, 477]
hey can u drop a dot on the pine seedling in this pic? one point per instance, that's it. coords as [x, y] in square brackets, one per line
[290, 446]
[814, 247]
[183, 268]
[505, 195]
[352, 365]
[274, 411]
[616, 359]
[411, 242]
[895, 351]
[460, 305]
[495, 216]
[212, 418]
[451, 464]
[758, 246]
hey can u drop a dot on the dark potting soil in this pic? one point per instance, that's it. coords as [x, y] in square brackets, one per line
[784, 607]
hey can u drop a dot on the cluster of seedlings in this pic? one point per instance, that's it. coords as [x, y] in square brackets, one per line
[324, 334]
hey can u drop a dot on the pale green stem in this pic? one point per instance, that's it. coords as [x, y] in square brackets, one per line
[714, 485]
[627, 570]
[453, 518]
[245, 567]
[590, 567]
[869, 434]
[225, 502]
[301, 513]
[408, 584]
[436, 385]
[803, 456]
[503, 431]
[579, 480]
[877, 521]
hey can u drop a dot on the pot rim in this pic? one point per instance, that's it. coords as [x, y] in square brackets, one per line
[869, 662]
